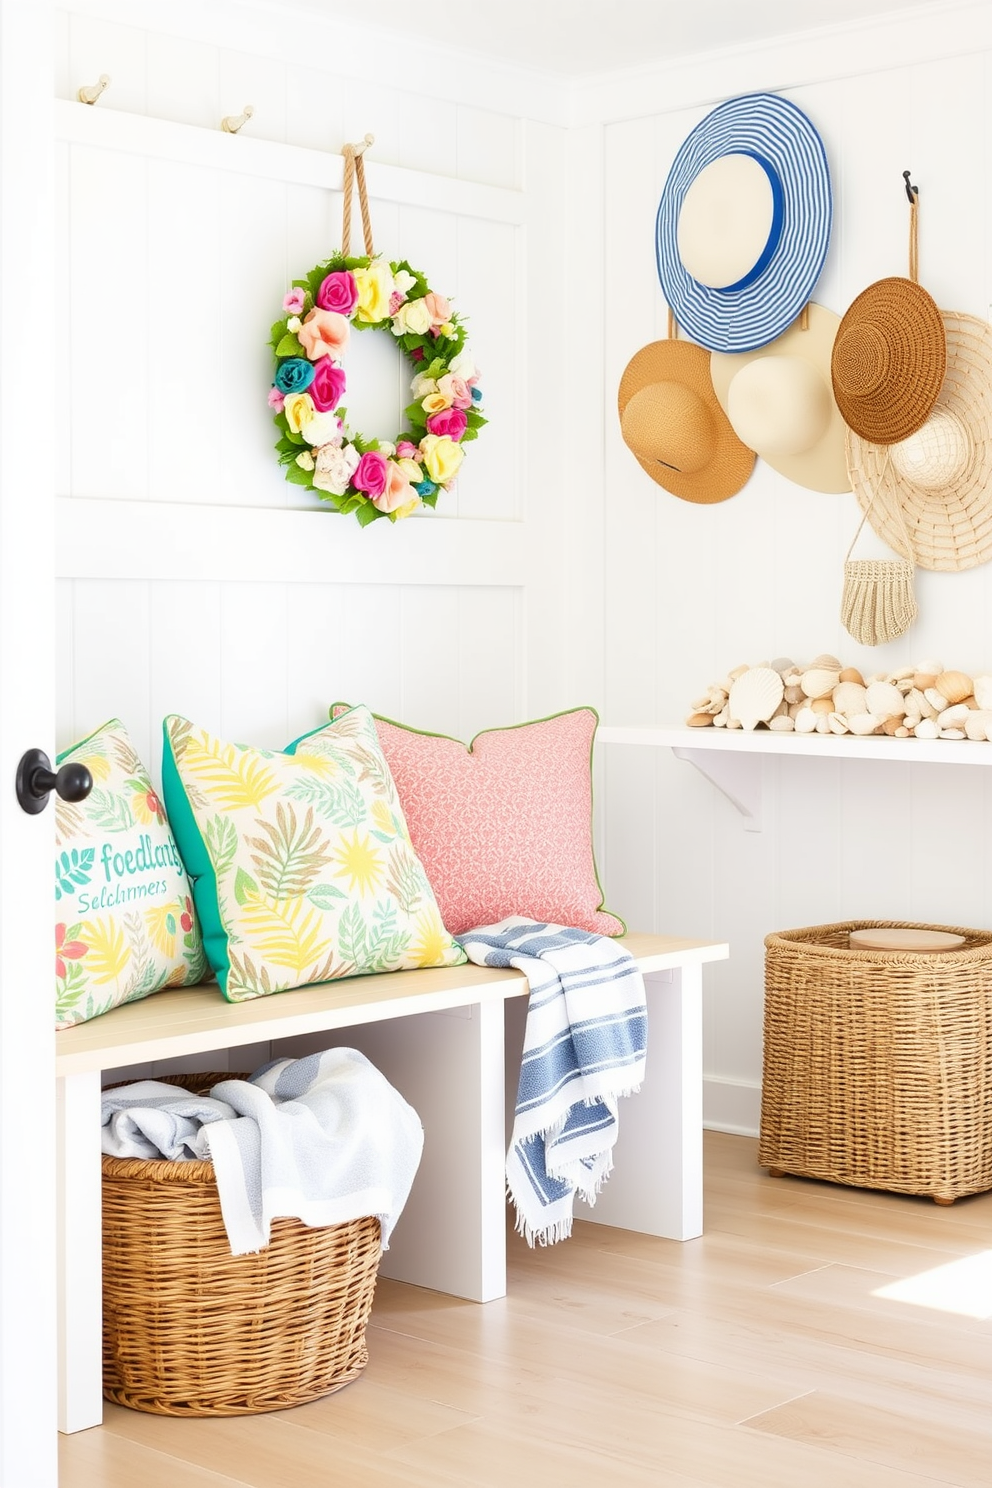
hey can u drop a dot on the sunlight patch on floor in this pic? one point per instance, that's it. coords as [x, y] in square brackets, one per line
[963, 1286]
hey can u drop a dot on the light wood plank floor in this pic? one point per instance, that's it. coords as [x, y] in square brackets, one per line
[764, 1355]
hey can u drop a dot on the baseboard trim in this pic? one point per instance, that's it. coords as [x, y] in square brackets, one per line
[731, 1106]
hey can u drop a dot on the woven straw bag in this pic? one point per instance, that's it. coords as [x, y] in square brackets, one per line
[877, 601]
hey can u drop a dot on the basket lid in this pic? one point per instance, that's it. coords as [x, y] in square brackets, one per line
[909, 938]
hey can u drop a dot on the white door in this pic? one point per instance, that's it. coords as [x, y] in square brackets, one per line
[30, 383]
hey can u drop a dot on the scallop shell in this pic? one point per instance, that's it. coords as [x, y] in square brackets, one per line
[820, 682]
[863, 723]
[851, 674]
[755, 696]
[850, 697]
[983, 691]
[926, 729]
[829, 663]
[782, 724]
[838, 723]
[885, 700]
[955, 686]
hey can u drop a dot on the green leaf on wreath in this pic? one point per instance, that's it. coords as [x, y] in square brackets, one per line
[297, 476]
[367, 513]
[289, 346]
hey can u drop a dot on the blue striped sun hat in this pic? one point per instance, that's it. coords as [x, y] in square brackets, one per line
[744, 223]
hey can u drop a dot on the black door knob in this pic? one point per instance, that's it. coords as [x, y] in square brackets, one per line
[36, 780]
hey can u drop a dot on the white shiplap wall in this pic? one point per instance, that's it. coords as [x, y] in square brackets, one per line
[692, 591]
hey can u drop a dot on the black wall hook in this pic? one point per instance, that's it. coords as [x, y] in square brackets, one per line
[911, 191]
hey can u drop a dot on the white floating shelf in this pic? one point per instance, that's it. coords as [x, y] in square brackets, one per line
[731, 758]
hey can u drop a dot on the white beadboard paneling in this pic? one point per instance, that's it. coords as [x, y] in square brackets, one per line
[62, 267]
[429, 641]
[364, 661]
[183, 82]
[108, 344]
[65, 651]
[110, 659]
[373, 110]
[318, 642]
[119, 50]
[314, 108]
[489, 147]
[186, 665]
[429, 137]
[254, 639]
[490, 655]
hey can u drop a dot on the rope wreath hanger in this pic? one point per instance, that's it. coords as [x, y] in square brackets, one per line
[351, 472]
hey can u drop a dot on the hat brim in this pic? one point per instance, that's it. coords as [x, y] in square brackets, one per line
[744, 319]
[949, 528]
[732, 461]
[822, 467]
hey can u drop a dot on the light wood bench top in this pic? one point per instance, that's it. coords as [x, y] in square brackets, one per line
[192, 1020]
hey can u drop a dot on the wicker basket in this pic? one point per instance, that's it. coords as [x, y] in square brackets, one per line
[191, 1330]
[878, 1064]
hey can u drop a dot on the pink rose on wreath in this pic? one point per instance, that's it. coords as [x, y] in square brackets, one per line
[450, 421]
[455, 388]
[440, 310]
[327, 388]
[405, 450]
[276, 399]
[324, 333]
[294, 301]
[338, 292]
[398, 492]
[372, 475]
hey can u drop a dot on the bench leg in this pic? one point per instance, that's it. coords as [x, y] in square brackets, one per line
[80, 1253]
[451, 1236]
[656, 1186]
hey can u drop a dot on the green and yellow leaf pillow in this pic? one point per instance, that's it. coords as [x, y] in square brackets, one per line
[125, 925]
[301, 864]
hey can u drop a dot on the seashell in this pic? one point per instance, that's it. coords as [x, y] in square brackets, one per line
[720, 721]
[904, 674]
[916, 702]
[926, 729]
[911, 720]
[954, 716]
[795, 709]
[850, 697]
[699, 720]
[885, 700]
[952, 733]
[781, 711]
[902, 732]
[851, 674]
[737, 672]
[733, 723]
[905, 684]
[822, 705]
[935, 698]
[755, 696]
[838, 723]
[717, 706]
[700, 704]
[829, 663]
[983, 691]
[819, 682]
[891, 726]
[822, 723]
[935, 667]
[782, 724]
[863, 723]
[955, 686]
[782, 664]
[805, 721]
[923, 680]
[794, 693]
[875, 677]
[978, 725]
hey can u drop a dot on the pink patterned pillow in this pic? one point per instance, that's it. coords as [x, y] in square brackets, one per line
[503, 825]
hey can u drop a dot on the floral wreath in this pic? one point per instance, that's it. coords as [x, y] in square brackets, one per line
[371, 477]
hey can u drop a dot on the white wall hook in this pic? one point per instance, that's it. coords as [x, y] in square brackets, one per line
[92, 93]
[233, 122]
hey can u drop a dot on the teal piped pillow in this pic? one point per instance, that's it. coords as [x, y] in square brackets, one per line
[125, 925]
[302, 865]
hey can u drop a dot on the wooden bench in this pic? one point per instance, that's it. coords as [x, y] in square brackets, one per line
[438, 1036]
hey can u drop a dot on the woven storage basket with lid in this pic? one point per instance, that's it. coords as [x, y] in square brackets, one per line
[191, 1330]
[878, 1064]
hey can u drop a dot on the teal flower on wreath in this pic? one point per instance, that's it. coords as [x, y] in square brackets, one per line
[294, 375]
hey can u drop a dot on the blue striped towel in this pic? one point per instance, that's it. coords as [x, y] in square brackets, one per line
[584, 1047]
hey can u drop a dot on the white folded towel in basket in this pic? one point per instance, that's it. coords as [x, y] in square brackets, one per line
[323, 1139]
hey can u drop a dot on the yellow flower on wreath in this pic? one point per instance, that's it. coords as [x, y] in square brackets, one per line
[374, 285]
[442, 457]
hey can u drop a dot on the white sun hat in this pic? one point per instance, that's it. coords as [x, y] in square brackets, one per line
[744, 222]
[780, 402]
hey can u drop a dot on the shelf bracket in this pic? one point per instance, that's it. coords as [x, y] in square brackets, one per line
[737, 776]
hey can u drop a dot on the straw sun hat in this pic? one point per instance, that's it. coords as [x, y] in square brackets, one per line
[779, 402]
[744, 222]
[672, 422]
[940, 478]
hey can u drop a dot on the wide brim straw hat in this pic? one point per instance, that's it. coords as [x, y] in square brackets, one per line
[780, 403]
[673, 424]
[936, 486]
[744, 222]
[888, 361]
